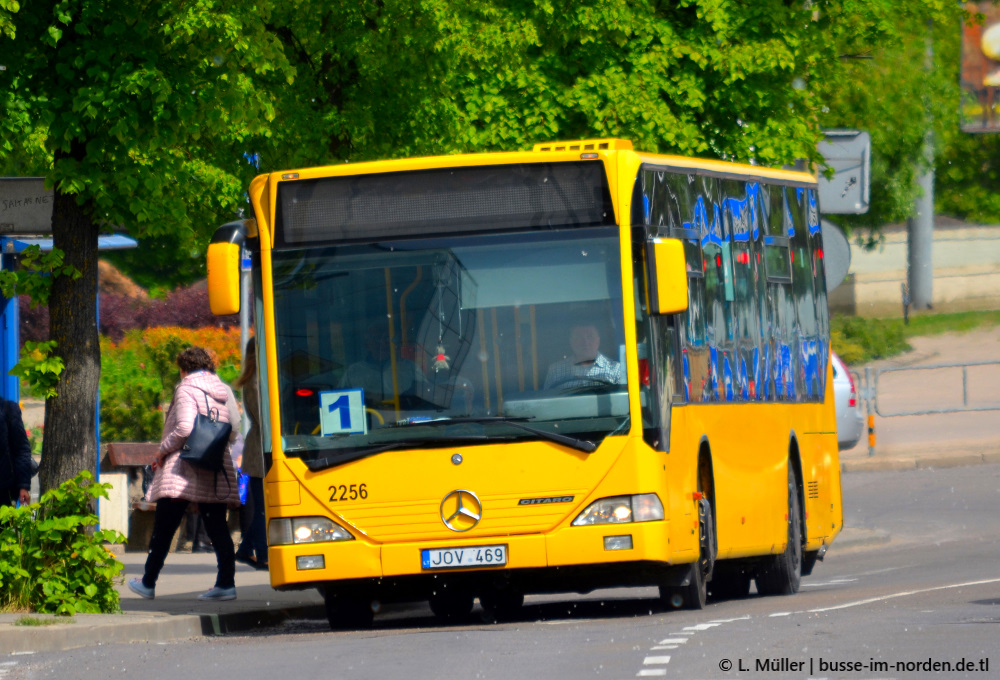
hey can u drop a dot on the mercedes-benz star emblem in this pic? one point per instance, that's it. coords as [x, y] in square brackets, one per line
[461, 510]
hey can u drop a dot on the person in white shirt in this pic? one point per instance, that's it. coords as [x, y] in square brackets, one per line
[587, 366]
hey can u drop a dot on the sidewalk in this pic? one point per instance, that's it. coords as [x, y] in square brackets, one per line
[176, 612]
[939, 440]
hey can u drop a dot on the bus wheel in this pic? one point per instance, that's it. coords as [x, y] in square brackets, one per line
[809, 561]
[451, 604]
[501, 604]
[695, 593]
[782, 574]
[729, 583]
[348, 611]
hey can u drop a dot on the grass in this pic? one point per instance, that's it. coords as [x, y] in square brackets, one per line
[859, 340]
[936, 324]
[35, 621]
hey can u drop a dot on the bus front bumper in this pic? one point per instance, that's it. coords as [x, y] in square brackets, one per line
[315, 563]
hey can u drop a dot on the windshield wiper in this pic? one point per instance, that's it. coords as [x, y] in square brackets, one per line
[350, 455]
[572, 442]
[333, 460]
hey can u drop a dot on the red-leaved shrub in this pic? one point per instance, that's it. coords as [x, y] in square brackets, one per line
[184, 307]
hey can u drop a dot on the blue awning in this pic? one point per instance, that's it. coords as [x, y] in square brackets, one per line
[104, 242]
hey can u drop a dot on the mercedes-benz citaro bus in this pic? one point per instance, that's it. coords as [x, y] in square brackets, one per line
[581, 366]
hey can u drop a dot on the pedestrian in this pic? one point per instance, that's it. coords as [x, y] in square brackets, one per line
[253, 547]
[15, 456]
[177, 483]
[194, 523]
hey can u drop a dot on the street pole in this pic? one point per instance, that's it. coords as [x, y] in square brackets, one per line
[920, 235]
[920, 227]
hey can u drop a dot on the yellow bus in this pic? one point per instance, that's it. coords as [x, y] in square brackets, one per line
[580, 366]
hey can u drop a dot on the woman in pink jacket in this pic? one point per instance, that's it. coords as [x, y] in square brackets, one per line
[178, 483]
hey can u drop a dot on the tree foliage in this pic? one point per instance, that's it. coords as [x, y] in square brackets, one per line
[968, 177]
[899, 88]
[7, 9]
[704, 77]
[144, 109]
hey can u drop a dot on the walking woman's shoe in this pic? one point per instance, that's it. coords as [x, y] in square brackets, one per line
[218, 594]
[135, 585]
[247, 560]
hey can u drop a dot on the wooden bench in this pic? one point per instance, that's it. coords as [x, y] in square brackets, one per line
[132, 457]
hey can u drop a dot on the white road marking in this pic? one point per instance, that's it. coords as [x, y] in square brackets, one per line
[680, 638]
[905, 593]
[655, 660]
[780, 614]
[831, 582]
[702, 626]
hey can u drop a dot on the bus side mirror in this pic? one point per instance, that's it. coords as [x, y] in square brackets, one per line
[224, 254]
[668, 282]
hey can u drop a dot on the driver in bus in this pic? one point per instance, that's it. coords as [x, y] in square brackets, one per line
[587, 366]
[373, 374]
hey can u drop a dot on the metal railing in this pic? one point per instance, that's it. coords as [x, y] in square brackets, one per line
[870, 394]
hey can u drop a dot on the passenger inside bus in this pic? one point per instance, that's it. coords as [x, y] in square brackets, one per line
[587, 366]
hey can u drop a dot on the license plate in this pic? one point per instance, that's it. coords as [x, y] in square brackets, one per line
[455, 558]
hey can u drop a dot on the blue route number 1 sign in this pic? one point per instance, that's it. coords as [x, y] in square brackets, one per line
[342, 412]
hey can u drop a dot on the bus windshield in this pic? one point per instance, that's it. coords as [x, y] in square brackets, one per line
[449, 341]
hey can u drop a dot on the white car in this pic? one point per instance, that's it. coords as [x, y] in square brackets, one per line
[850, 422]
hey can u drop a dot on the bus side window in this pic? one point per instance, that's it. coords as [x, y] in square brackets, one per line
[664, 197]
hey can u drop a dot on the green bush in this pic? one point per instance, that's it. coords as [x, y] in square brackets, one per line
[162, 357]
[130, 412]
[131, 395]
[138, 376]
[859, 340]
[51, 561]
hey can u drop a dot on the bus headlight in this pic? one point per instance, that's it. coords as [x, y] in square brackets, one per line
[293, 530]
[621, 509]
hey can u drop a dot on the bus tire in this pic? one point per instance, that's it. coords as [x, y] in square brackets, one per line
[501, 604]
[729, 582]
[782, 574]
[451, 604]
[809, 561]
[694, 595]
[348, 611]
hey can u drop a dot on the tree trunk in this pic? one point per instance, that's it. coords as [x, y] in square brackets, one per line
[70, 443]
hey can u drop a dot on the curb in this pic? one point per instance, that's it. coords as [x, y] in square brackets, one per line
[240, 622]
[893, 463]
[84, 630]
